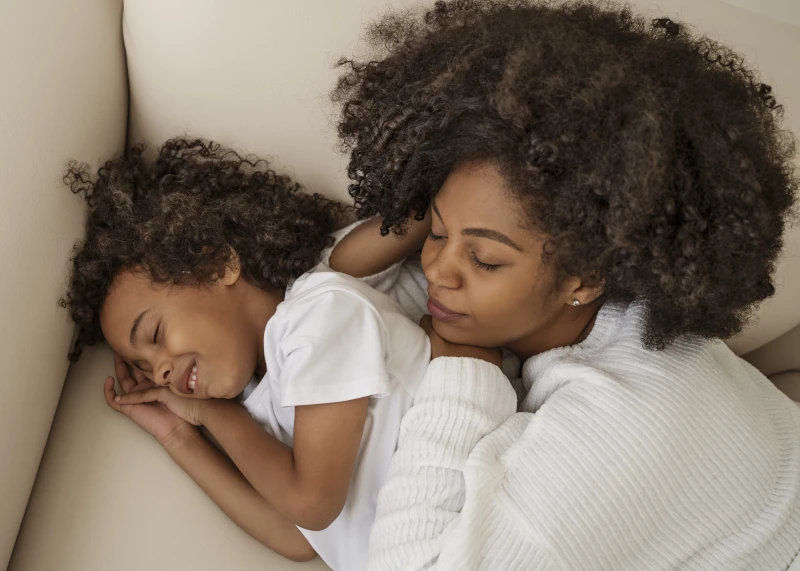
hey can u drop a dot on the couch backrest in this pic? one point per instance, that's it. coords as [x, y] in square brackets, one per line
[256, 76]
[63, 96]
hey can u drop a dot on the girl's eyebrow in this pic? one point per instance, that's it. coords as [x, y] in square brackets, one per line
[135, 327]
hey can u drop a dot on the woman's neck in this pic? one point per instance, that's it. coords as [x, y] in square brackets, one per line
[567, 327]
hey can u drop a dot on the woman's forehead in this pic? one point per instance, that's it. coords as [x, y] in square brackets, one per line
[477, 195]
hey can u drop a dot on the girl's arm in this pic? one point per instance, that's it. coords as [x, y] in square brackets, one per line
[212, 471]
[308, 485]
[227, 487]
[364, 252]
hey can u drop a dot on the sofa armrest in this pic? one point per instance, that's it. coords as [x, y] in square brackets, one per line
[64, 95]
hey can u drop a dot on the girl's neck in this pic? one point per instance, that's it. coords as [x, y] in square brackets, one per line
[260, 305]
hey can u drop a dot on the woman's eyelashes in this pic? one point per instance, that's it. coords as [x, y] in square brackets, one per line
[482, 265]
[478, 264]
[155, 334]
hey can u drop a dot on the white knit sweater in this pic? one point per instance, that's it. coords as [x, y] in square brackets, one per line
[619, 458]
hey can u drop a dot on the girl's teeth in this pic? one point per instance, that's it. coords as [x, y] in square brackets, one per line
[191, 384]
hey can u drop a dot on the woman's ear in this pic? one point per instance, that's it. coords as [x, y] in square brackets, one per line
[578, 292]
[233, 269]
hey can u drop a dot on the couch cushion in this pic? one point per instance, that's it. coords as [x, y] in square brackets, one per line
[63, 95]
[109, 497]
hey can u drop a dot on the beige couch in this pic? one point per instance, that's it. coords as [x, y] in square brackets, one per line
[82, 77]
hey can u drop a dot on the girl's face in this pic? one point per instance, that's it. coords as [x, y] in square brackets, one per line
[487, 283]
[203, 342]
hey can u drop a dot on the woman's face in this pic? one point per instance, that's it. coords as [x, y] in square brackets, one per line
[487, 283]
[198, 341]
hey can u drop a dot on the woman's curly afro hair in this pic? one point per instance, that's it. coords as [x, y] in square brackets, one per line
[653, 160]
[182, 216]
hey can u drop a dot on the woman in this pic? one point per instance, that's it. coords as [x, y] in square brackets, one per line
[607, 200]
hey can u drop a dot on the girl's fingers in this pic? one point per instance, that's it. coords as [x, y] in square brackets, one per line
[138, 397]
[143, 386]
[110, 394]
[126, 382]
[139, 376]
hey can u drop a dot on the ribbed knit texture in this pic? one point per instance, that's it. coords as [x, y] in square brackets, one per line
[619, 458]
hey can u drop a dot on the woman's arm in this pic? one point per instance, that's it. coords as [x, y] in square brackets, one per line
[364, 252]
[457, 404]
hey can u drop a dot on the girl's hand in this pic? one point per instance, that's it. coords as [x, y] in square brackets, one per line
[187, 409]
[154, 418]
[442, 348]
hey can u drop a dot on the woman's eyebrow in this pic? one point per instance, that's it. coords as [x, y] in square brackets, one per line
[483, 232]
[492, 235]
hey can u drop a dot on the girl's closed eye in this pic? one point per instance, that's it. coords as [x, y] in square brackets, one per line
[435, 237]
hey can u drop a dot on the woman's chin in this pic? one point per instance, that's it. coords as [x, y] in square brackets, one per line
[456, 333]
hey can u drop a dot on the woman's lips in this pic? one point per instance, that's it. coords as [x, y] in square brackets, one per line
[442, 313]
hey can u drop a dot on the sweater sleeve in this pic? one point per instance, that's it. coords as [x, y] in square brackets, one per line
[459, 402]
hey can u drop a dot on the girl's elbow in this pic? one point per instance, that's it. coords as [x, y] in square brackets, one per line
[318, 514]
[301, 554]
[317, 521]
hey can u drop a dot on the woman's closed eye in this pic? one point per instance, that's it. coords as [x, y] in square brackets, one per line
[478, 263]
[482, 265]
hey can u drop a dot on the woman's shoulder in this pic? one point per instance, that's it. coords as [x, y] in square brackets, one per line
[615, 375]
[616, 435]
[614, 358]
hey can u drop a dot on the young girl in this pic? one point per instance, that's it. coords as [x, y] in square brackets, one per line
[197, 270]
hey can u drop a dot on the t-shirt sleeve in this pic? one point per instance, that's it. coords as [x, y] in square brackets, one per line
[333, 350]
[382, 281]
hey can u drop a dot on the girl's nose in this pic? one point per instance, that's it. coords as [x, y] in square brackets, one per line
[162, 374]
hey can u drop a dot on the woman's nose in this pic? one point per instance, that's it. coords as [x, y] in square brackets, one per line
[443, 270]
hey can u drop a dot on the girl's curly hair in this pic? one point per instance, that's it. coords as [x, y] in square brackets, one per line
[654, 160]
[182, 216]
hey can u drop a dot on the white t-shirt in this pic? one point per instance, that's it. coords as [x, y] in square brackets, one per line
[335, 339]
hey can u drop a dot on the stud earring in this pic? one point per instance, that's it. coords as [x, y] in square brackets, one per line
[575, 303]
